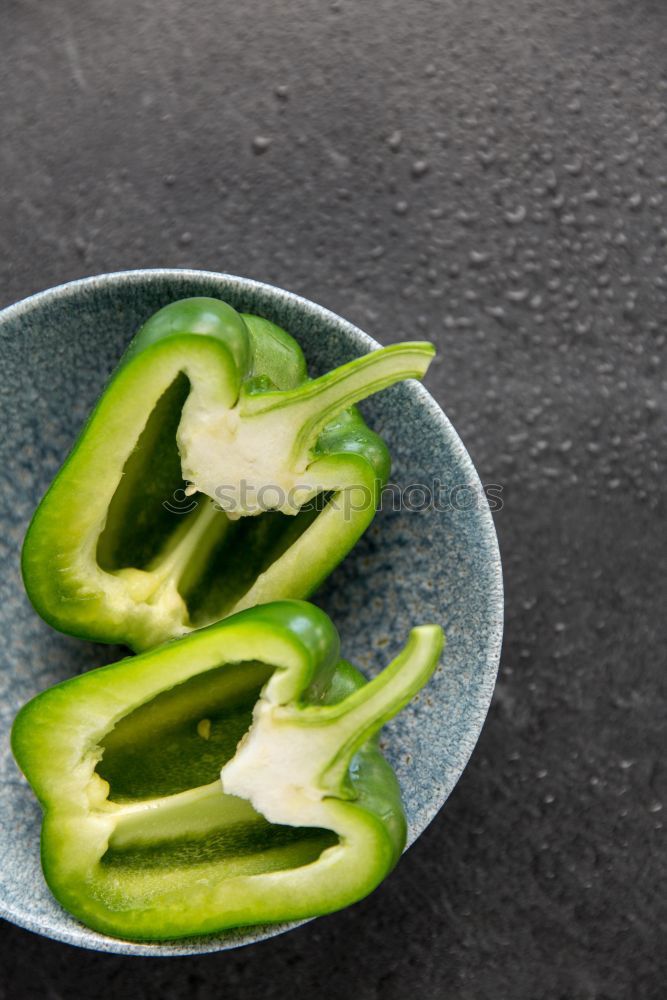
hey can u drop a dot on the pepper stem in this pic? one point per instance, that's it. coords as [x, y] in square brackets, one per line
[294, 755]
[363, 713]
[315, 403]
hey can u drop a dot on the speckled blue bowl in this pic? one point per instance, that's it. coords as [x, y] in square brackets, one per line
[411, 567]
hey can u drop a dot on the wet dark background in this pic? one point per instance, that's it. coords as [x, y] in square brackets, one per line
[492, 176]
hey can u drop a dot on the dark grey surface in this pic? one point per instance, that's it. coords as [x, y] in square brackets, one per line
[494, 176]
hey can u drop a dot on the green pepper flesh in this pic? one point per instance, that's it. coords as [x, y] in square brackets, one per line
[116, 551]
[140, 840]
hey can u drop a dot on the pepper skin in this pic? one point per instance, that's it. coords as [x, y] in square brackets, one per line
[141, 840]
[284, 475]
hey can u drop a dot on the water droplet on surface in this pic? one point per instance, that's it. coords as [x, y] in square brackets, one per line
[260, 144]
[419, 168]
[486, 157]
[497, 312]
[516, 216]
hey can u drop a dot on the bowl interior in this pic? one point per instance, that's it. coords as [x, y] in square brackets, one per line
[413, 566]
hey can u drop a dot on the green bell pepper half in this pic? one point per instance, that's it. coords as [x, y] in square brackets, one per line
[142, 840]
[284, 475]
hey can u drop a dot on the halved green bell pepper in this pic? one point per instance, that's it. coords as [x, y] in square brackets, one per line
[284, 476]
[141, 840]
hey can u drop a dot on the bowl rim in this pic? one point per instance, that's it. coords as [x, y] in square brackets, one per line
[488, 660]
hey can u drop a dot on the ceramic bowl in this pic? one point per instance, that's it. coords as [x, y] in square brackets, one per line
[413, 566]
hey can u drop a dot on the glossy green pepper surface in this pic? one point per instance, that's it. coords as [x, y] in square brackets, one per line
[213, 475]
[160, 824]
